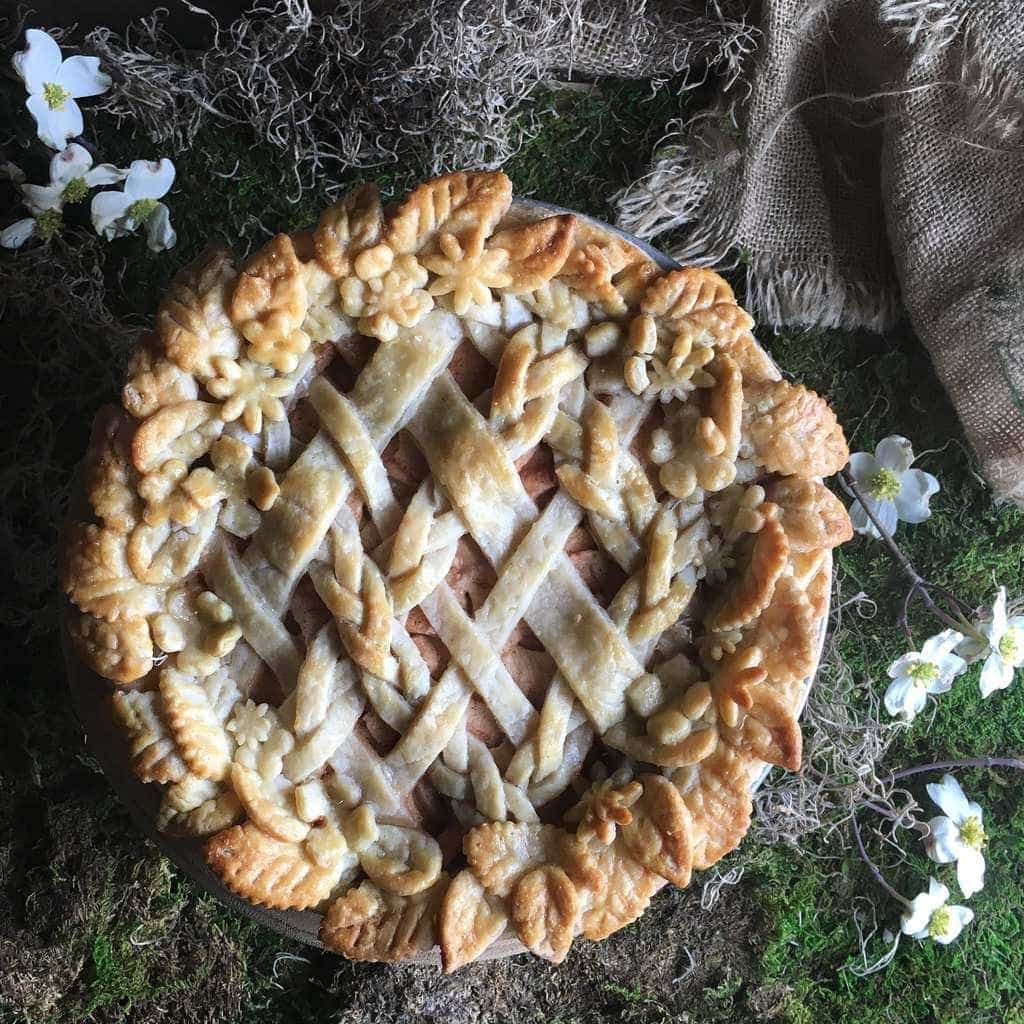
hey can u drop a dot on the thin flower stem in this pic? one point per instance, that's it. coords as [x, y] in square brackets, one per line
[1015, 763]
[871, 865]
[919, 585]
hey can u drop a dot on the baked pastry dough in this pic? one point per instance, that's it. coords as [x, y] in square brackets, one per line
[458, 570]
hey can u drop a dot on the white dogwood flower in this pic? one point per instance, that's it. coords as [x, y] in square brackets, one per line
[892, 490]
[919, 673]
[958, 836]
[72, 175]
[45, 222]
[54, 84]
[1000, 641]
[931, 917]
[115, 214]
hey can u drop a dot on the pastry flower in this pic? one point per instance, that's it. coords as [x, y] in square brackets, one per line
[915, 675]
[54, 84]
[929, 916]
[1000, 641]
[115, 214]
[957, 836]
[892, 490]
[250, 724]
[467, 272]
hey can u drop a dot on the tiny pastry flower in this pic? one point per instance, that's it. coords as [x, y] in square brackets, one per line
[892, 490]
[72, 175]
[919, 673]
[54, 84]
[958, 836]
[250, 724]
[115, 214]
[1000, 641]
[931, 917]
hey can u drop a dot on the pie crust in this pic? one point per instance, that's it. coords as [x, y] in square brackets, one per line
[457, 570]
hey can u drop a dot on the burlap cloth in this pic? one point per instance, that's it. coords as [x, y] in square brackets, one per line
[869, 160]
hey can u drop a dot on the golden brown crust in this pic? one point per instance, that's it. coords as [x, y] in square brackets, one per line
[536, 251]
[122, 651]
[192, 321]
[812, 516]
[368, 924]
[107, 474]
[469, 921]
[154, 381]
[544, 909]
[465, 203]
[658, 834]
[752, 591]
[267, 871]
[499, 853]
[269, 303]
[793, 431]
[787, 632]
[346, 228]
[627, 891]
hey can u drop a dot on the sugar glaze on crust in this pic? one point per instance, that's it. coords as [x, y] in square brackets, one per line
[457, 570]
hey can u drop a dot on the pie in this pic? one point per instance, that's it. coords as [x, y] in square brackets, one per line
[457, 570]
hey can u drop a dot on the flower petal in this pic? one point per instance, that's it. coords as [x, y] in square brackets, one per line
[863, 467]
[105, 174]
[971, 648]
[937, 647]
[17, 234]
[39, 198]
[107, 209]
[915, 921]
[916, 490]
[55, 127]
[958, 917]
[951, 666]
[902, 663]
[998, 625]
[149, 179]
[71, 162]
[39, 62]
[943, 845]
[904, 699]
[950, 797]
[885, 511]
[970, 871]
[81, 76]
[159, 233]
[996, 674]
[895, 453]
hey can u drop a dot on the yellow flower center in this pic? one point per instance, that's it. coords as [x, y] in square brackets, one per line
[923, 671]
[75, 191]
[55, 95]
[48, 223]
[939, 922]
[1011, 646]
[972, 833]
[884, 485]
[141, 210]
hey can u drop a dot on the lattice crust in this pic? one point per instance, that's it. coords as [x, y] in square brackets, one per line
[417, 520]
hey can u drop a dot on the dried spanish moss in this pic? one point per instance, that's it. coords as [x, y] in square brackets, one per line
[438, 83]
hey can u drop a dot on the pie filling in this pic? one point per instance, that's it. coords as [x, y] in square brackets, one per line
[458, 571]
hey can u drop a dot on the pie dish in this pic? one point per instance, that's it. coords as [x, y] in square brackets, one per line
[456, 570]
